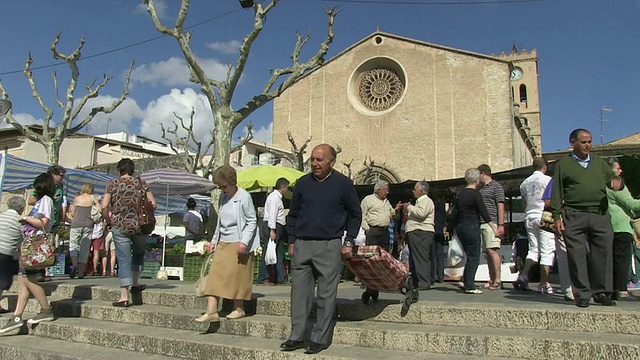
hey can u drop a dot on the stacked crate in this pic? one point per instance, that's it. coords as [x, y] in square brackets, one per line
[192, 266]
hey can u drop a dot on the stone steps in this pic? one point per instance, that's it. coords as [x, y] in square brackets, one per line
[186, 344]
[433, 339]
[535, 316]
[431, 329]
[31, 348]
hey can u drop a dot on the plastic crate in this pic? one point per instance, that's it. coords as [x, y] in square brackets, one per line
[153, 256]
[59, 268]
[192, 266]
[150, 270]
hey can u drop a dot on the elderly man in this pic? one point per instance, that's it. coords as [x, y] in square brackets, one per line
[419, 232]
[10, 240]
[579, 207]
[324, 204]
[377, 214]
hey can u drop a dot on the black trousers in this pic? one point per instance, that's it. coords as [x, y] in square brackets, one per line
[438, 258]
[622, 243]
[469, 235]
[419, 243]
[589, 240]
[378, 235]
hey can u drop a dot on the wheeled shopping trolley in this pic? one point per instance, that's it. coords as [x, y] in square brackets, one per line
[380, 272]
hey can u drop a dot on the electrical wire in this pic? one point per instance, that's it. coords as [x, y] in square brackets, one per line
[434, 3]
[120, 48]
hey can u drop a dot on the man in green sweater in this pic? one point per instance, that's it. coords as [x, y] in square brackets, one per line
[579, 207]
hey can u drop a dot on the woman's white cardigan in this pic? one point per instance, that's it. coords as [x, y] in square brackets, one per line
[246, 219]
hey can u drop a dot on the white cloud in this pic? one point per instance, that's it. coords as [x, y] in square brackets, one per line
[226, 47]
[121, 117]
[264, 134]
[23, 119]
[175, 72]
[161, 8]
[160, 111]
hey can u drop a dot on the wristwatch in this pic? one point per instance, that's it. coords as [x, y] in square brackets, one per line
[24, 218]
[348, 243]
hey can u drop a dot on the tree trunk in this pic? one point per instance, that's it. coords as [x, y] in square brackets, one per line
[53, 151]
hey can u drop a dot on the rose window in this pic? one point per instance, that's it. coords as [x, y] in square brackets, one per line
[380, 89]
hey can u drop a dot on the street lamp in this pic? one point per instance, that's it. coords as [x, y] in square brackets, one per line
[246, 3]
[603, 110]
[5, 106]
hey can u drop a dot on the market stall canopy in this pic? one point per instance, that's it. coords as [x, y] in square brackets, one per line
[266, 176]
[176, 182]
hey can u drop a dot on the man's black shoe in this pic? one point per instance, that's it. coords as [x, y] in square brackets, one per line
[314, 348]
[603, 300]
[291, 345]
[583, 303]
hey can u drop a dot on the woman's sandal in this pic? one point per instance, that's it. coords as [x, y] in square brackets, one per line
[495, 286]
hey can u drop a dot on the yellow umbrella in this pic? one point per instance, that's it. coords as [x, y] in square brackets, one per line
[266, 176]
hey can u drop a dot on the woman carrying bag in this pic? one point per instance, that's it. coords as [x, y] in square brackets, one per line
[38, 222]
[235, 239]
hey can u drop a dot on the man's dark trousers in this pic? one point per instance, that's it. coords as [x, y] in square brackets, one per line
[419, 242]
[315, 261]
[281, 238]
[589, 240]
[378, 235]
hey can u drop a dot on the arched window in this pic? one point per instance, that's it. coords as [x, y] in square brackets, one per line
[523, 93]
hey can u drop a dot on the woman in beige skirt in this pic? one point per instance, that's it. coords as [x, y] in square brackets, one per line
[235, 239]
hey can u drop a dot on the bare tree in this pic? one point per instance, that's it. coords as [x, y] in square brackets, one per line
[220, 93]
[297, 153]
[53, 133]
[192, 153]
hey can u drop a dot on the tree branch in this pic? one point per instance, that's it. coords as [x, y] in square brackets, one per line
[294, 72]
[244, 140]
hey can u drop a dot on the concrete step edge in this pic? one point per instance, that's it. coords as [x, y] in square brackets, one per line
[193, 345]
[404, 337]
[30, 348]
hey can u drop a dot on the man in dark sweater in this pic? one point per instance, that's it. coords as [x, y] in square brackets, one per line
[324, 204]
[579, 208]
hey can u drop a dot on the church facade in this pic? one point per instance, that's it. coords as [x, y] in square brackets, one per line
[402, 109]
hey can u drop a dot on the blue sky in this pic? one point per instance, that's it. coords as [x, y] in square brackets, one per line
[588, 52]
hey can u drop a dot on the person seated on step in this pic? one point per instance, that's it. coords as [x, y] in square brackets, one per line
[38, 222]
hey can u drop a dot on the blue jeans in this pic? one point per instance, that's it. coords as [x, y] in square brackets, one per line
[128, 262]
[263, 272]
[469, 235]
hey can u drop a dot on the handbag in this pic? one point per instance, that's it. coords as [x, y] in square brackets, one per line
[146, 216]
[546, 222]
[204, 273]
[451, 217]
[270, 257]
[96, 212]
[37, 252]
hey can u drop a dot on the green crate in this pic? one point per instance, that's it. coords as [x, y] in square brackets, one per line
[192, 266]
[150, 270]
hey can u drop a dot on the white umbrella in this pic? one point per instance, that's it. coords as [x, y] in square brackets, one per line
[174, 182]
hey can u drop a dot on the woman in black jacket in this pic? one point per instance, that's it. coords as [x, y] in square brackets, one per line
[470, 208]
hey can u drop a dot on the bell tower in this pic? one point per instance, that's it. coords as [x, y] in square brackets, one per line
[525, 96]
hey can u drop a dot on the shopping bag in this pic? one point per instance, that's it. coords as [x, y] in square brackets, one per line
[455, 256]
[204, 273]
[96, 212]
[37, 252]
[270, 257]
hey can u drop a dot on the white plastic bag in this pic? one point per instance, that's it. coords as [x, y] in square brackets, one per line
[270, 257]
[456, 256]
[361, 239]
